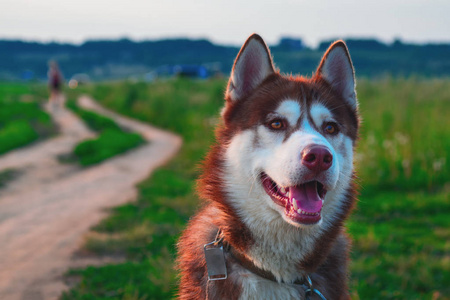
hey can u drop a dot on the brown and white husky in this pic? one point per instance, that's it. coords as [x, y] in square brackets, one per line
[278, 184]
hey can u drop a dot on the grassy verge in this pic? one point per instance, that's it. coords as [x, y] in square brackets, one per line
[400, 229]
[16, 134]
[22, 121]
[93, 120]
[108, 144]
[111, 141]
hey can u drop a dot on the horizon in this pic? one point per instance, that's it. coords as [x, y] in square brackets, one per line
[171, 38]
[230, 23]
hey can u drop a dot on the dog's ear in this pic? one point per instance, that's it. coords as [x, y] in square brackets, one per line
[337, 69]
[252, 65]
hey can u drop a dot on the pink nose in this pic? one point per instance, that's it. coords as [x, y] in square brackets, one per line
[317, 158]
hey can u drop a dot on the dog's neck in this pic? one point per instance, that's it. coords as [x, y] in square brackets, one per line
[280, 247]
[277, 246]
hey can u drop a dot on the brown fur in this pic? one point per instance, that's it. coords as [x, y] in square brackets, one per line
[326, 263]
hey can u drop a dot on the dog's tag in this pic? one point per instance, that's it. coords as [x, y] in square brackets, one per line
[215, 261]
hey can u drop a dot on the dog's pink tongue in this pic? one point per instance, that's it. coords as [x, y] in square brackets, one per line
[306, 197]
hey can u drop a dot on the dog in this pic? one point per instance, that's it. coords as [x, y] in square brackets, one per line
[278, 185]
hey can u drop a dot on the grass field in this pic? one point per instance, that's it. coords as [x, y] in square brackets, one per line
[400, 229]
[111, 141]
[22, 121]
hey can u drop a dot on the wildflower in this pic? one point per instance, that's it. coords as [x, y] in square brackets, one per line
[438, 164]
[387, 144]
[401, 138]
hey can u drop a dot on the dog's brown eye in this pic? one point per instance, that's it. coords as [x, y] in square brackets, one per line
[277, 124]
[331, 128]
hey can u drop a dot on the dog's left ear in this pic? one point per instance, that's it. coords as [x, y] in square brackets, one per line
[252, 65]
[337, 69]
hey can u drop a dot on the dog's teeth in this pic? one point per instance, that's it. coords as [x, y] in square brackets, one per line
[283, 190]
[299, 211]
[287, 194]
[295, 204]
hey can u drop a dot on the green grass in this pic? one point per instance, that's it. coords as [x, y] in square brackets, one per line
[401, 228]
[401, 245]
[405, 136]
[22, 121]
[111, 141]
[93, 120]
[16, 134]
[108, 144]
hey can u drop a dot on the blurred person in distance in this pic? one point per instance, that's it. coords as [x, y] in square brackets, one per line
[55, 82]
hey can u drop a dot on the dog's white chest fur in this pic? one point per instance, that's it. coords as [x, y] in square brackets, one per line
[255, 288]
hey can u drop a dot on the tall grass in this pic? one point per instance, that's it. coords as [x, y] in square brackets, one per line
[405, 136]
[400, 229]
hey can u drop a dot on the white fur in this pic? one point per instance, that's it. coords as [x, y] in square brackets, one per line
[260, 213]
[257, 288]
[279, 242]
[289, 109]
[320, 114]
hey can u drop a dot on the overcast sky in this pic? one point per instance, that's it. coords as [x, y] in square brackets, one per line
[225, 22]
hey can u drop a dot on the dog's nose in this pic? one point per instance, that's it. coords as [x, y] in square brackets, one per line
[317, 158]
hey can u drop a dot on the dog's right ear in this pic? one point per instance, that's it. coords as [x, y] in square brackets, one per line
[252, 65]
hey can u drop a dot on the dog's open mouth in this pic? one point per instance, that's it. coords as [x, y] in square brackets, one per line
[302, 203]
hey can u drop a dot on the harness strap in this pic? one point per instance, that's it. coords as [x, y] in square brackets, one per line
[304, 284]
[247, 263]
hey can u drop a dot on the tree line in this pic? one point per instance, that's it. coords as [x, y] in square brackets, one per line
[104, 59]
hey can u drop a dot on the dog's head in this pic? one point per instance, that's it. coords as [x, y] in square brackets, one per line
[289, 141]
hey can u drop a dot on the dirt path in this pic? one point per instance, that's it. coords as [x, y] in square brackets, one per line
[45, 213]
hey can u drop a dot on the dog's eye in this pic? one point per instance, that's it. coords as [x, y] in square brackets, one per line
[331, 128]
[277, 124]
